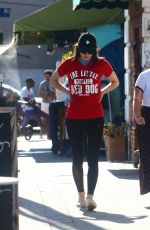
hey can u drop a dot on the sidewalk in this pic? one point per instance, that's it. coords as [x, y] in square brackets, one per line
[48, 197]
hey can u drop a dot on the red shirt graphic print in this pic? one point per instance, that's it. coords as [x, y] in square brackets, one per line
[85, 85]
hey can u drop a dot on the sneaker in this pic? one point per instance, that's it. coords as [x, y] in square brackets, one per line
[90, 203]
[81, 203]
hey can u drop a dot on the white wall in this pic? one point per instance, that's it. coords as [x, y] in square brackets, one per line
[18, 9]
[27, 60]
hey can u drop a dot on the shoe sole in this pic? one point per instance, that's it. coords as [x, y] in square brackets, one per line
[91, 207]
[81, 205]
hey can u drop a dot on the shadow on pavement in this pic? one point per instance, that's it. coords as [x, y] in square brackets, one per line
[34, 210]
[50, 216]
[132, 174]
[117, 218]
[47, 156]
[42, 156]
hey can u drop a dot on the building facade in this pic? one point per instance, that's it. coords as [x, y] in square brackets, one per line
[138, 57]
[21, 61]
[12, 10]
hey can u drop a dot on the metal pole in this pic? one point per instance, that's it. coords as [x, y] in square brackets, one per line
[109, 105]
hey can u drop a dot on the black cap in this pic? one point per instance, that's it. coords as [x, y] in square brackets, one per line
[87, 43]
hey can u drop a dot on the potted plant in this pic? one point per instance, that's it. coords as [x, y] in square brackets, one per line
[114, 139]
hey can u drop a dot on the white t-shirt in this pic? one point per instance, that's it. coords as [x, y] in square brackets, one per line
[143, 82]
[61, 96]
[27, 93]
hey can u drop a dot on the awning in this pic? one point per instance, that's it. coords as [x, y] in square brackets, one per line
[60, 16]
[88, 4]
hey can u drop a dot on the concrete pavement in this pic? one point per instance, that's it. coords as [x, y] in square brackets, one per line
[48, 197]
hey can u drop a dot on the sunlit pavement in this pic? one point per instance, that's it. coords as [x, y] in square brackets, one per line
[48, 197]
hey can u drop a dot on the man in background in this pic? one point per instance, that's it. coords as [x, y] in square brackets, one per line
[30, 107]
[46, 91]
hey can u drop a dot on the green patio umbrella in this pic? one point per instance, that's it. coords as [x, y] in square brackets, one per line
[60, 16]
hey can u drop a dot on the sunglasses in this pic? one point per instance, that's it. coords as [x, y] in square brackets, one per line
[84, 51]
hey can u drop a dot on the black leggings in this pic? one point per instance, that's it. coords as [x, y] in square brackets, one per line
[143, 132]
[85, 137]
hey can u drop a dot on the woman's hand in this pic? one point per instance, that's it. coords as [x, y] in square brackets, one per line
[101, 96]
[114, 82]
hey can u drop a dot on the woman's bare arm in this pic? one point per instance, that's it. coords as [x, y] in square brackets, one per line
[114, 82]
[54, 81]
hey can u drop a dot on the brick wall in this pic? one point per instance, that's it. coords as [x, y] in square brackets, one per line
[135, 33]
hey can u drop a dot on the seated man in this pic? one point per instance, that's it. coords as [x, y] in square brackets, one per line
[30, 107]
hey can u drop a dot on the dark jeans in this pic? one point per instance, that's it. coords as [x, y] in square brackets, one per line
[143, 134]
[32, 114]
[85, 133]
[54, 124]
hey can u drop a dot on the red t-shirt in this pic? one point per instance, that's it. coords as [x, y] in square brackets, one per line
[84, 84]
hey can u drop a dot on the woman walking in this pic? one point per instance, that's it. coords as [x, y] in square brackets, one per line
[84, 115]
